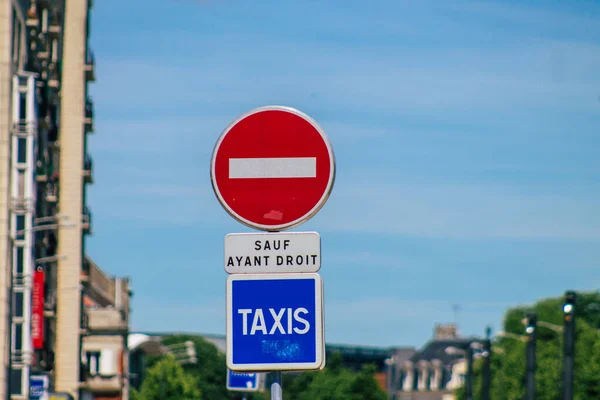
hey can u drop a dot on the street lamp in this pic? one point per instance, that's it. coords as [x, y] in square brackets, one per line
[487, 374]
[569, 344]
[184, 353]
[531, 331]
[390, 364]
[468, 353]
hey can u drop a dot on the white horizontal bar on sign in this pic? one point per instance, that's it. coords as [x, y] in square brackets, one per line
[284, 167]
[254, 253]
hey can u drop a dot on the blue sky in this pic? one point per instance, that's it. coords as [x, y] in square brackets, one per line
[467, 140]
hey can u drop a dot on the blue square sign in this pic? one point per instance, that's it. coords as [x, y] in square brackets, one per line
[275, 322]
[242, 381]
[38, 386]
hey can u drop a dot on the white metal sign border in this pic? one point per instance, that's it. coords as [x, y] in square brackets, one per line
[291, 224]
[272, 269]
[236, 389]
[319, 362]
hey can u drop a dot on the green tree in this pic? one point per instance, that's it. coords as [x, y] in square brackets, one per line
[166, 380]
[334, 383]
[508, 355]
[210, 371]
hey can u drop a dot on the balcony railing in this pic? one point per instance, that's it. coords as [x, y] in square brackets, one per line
[98, 282]
[32, 20]
[90, 66]
[89, 109]
[55, 69]
[124, 295]
[89, 115]
[21, 203]
[42, 50]
[23, 128]
[51, 193]
[50, 305]
[54, 27]
[103, 384]
[105, 320]
[87, 169]
[86, 221]
[43, 171]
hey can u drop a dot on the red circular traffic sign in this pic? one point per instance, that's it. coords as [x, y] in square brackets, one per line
[273, 168]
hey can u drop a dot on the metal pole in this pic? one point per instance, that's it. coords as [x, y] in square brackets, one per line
[569, 345]
[162, 381]
[530, 356]
[487, 375]
[469, 380]
[276, 391]
[390, 377]
[501, 379]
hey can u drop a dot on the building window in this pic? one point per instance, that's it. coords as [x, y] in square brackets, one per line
[55, 50]
[93, 361]
[22, 150]
[45, 20]
[18, 53]
[20, 234]
[16, 381]
[16, 43]
[20, 184]
[19, 262]
[18, 305]
[18, 338]
[23, 106]
[15, 21]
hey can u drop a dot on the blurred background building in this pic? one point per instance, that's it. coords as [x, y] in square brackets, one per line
[64, 321]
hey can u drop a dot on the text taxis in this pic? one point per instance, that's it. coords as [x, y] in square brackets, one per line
[273, 321]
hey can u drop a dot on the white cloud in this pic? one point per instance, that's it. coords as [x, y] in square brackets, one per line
[372, 309]
[372, 259]
[461, 211]
[539, 75]
[158, 135]
[155, 314]
[163, 190]
[477, 86]
[530, 13]
[171, 203]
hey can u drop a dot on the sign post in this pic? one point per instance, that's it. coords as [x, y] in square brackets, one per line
[273, 169]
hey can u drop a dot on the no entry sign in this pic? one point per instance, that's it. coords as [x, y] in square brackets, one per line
[273, 168]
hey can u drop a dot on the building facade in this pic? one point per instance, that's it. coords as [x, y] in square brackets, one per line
[63, 321]
[435, 371]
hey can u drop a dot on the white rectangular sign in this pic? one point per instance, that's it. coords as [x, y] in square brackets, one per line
[251, 253]
[281, 167]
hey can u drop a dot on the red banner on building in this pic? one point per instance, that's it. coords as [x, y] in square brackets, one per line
[37, 308]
